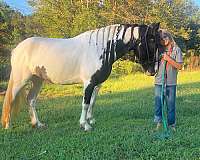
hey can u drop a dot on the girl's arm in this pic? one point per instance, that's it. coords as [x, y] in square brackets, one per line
[172, 62]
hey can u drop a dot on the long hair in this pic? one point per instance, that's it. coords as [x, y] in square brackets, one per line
[166, 33]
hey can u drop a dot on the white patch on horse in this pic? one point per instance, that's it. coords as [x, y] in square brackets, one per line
[108, 38]
[115, 42]
[98, 39]
[127, 36]
[136, 33]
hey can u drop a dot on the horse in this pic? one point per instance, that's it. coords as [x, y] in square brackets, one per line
[86, 58]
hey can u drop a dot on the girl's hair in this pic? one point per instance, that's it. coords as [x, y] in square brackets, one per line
[165, 33]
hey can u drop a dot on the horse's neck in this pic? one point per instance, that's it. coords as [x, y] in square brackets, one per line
[106, 41]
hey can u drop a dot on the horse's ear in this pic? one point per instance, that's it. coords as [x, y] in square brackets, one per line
[155, 26]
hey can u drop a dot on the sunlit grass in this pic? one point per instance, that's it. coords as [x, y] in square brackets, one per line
[124, 114]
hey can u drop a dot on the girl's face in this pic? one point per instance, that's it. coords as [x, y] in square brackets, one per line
[165, 41]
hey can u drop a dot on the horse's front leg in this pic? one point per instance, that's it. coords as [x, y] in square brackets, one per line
[90, 118]
[88, 90]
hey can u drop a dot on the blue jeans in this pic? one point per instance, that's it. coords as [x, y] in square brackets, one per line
[170, 99]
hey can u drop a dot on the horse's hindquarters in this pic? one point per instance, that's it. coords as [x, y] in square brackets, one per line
[54, 60]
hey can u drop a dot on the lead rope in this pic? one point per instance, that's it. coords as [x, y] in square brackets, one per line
[165, 134]
[164, 108]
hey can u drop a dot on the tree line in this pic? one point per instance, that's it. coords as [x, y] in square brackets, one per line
[67, 18]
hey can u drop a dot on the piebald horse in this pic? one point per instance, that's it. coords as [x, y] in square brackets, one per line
[86, 58]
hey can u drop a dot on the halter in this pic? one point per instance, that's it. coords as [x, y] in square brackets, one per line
[156, 56]
[138, 42]
[131, 45]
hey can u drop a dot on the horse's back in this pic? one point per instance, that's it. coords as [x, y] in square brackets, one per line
[56, 57]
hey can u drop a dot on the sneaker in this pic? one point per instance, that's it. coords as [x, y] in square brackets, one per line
[159, 125]
[173, 128]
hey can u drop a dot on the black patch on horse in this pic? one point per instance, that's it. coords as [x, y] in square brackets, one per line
[120, 48]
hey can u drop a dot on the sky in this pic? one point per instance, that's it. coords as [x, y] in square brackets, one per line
[20, 5]
[24, 8]
[197, 2]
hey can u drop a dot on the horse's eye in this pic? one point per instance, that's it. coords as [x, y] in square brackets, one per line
[152, 39]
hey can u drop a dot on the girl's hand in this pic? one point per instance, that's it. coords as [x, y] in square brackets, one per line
[172, 62]
[166, 57]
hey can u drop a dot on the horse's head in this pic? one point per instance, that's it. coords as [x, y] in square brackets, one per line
[145, 45]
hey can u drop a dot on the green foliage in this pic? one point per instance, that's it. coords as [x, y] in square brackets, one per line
[84, 21]
[12, 28]
[5, 34]
[192, 62]
[66, 18]
[4, 68]
[124, 129]
[194, 36]
[125, 67]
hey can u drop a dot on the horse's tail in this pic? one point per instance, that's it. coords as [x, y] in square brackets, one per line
[15, 96]
[7, 104]
[19, 101]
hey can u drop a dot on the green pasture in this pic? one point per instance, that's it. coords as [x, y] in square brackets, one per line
[124, 124]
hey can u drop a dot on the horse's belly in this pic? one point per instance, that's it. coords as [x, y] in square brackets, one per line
[58, 72]
[65, 78]
[55, 76]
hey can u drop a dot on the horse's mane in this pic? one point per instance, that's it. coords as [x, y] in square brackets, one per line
[112, 32]
[101, 35]
[106, 37]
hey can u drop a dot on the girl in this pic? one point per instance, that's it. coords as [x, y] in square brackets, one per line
[173, 55]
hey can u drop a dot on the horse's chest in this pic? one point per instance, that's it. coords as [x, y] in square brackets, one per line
[101, 74]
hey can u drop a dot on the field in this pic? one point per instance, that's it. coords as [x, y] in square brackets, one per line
[124, 128]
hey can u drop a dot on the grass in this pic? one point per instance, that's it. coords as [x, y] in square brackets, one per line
[124, 128]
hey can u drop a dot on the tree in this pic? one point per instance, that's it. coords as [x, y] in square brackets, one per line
[5, 27]
[66, 18]
[12, 27]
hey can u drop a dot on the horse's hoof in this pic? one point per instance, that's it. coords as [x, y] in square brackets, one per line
[82, 126]
[5, 125]
[86, 127]
[39, 125]
[92, 121]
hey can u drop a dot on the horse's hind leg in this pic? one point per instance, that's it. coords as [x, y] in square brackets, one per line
[90, 117]
[31, 98]
[15, 95]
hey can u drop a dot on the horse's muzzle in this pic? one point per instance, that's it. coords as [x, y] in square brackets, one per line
[150, 73]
